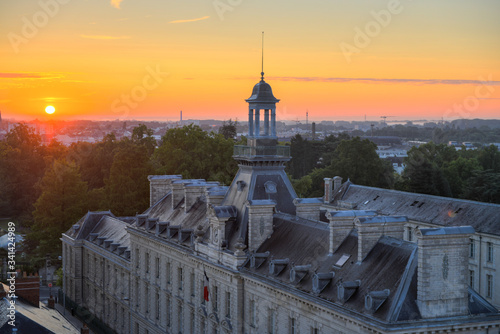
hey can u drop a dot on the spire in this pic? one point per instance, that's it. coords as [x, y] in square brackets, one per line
[262, 73]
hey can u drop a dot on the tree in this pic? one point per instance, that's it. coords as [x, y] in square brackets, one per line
[483, 186]
[424, 169]
[142, 135]
[127, 188]
[62, 202]
[358, 160]
[21, 167]
[228, 130]
[196, 154]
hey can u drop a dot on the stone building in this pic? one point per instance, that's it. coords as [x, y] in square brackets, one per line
[272, 262]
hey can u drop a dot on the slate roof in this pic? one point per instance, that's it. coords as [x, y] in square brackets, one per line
[390, 267]
[444, 211]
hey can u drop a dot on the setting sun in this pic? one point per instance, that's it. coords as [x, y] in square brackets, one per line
[50, 110]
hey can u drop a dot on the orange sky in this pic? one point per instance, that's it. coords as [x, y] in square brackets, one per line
[149, 59]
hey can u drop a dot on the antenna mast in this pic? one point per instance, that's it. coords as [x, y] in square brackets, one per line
[262, 73]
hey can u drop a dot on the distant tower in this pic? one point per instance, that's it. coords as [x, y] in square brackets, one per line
[307, 117]
[313, 128]
[181, 116]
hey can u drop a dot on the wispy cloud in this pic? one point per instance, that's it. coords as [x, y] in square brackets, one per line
[104, 37]
[116, 3]
[190, 20]
[385, 80]
[27, 75]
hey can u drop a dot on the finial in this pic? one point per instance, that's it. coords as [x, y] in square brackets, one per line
[262, 73]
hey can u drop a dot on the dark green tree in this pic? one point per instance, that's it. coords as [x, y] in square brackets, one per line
[62, 202]
[228, 129]
[127, 188]
[194, 153]
[22, 164]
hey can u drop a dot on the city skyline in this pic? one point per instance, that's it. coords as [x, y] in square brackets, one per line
[149, 60]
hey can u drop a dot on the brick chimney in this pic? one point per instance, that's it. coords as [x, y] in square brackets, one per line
[159, 186]
[191, 193]
[442, 271]
[371, 229]
[341, 224]
[260, 222]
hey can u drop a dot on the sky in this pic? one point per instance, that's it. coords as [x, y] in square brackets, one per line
[336, 59]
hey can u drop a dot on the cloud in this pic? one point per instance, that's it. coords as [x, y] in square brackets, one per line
[190, 20]
[27, 75]
[116, 3]
[104, 37]
[385, 80]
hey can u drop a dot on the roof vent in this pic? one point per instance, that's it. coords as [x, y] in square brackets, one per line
[375, 299]
[321, 280]
[277, 266]
[240, 185]
[297, 273]
[185, 234]
[121, 249]
[172, 230]
[93, 236]
[257, 259]
[345, 290]
[100, 240]
[76, 227]
[127, 254]
[107, 243]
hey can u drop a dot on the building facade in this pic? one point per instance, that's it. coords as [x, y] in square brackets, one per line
[272, 262]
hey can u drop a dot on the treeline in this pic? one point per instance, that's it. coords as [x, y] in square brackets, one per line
[438, 135]
[46, 189]
[435, 169]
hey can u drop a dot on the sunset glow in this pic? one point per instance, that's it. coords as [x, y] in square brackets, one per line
[339, 60]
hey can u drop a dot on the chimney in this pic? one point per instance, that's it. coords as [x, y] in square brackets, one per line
[260, 222]
[442, 271]
[327, 198]
[371, 229]
[191, 193]
[341, 224]
[308, 208]
[159, 186]
[215, 195]
[337, 182]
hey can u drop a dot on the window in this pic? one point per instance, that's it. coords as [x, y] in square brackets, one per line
[157, 311]
[181, 317]
[157, 265]
[471, 278]
[203, 326]
[489, 255]
[472, 249]
[191, 321]
[489, 286]
[169, 273]
[180, 278]
[253, 312]
[192, 283]
[146, 295]
[137, 293]
[147, 262]
[293, 326]
[228, 304]
[169, 311]
[314, 330]
[271, 324]
[137, 258]
[215, 297]
[410, 234]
